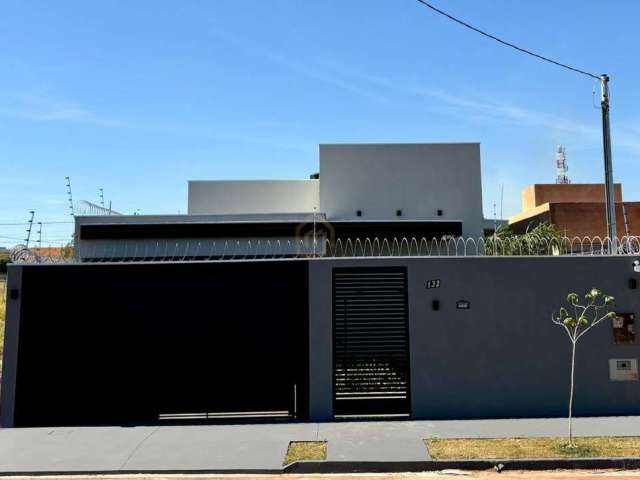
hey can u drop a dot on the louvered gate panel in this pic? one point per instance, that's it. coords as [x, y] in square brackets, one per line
[371, 344]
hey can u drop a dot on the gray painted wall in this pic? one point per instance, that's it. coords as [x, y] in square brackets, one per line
[320, 341]
[418, 179]
[10, 354]
[503, 357]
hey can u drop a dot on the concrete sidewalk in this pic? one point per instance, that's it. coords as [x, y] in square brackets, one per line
[258, 448]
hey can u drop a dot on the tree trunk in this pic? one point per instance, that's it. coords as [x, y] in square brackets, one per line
[573, 365]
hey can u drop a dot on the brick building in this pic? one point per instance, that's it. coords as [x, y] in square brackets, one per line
[576, 209]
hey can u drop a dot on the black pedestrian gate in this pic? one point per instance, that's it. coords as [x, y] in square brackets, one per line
[370, 342]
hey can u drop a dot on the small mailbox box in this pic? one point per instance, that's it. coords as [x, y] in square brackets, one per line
[623, 369]
[624, 328]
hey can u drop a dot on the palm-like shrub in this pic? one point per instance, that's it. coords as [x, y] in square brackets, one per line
[543, 239]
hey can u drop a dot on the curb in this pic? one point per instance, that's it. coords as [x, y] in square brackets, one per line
[148, 471]
[318, 467]
[434, 465]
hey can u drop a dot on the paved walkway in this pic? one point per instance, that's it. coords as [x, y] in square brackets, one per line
[258, 447]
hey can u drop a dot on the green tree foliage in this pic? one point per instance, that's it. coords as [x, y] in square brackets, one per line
[543, 239]
[67, 250]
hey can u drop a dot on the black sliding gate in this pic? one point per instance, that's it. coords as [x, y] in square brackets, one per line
[370, 342]
[126, 344]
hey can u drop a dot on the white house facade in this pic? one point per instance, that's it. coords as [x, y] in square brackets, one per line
[381, 191]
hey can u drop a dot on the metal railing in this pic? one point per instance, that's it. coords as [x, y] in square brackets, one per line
[212, 250]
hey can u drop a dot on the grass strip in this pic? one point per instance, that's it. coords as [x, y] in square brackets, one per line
[305, 451]
[546, 447]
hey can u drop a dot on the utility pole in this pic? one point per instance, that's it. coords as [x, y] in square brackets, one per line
[314, 231]
[495, 219]
[69, 196]
[39, 235]
[608, 168]
[26, 240]
[610, 203]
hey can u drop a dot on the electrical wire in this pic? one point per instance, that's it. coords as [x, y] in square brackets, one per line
[27, 223]
[499, 40]
[11, 238]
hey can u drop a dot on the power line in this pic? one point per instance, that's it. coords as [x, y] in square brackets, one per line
[12, 238]
[606, 128]
[44, 240]
[16, 224]
[493, 37]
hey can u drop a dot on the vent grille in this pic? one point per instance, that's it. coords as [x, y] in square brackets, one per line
[370, 336]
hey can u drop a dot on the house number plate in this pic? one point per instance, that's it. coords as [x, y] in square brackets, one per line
[433, 283]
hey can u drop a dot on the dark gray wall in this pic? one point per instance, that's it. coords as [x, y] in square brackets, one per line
[503, 357]
[10, 354]
[320, 341]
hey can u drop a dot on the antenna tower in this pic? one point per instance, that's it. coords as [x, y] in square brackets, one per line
[561, 166]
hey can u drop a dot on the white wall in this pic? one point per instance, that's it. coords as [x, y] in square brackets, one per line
[252, 196]
[418, 179]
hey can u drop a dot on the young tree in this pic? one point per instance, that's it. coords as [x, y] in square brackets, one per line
[596, 309]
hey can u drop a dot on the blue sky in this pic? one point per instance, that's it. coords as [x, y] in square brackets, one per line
[139, 97]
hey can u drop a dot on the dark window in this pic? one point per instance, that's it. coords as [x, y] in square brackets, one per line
[398, 213]
[359, 213]
[439, 213]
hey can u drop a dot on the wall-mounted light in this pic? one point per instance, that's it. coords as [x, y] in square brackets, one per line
[636, 266]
